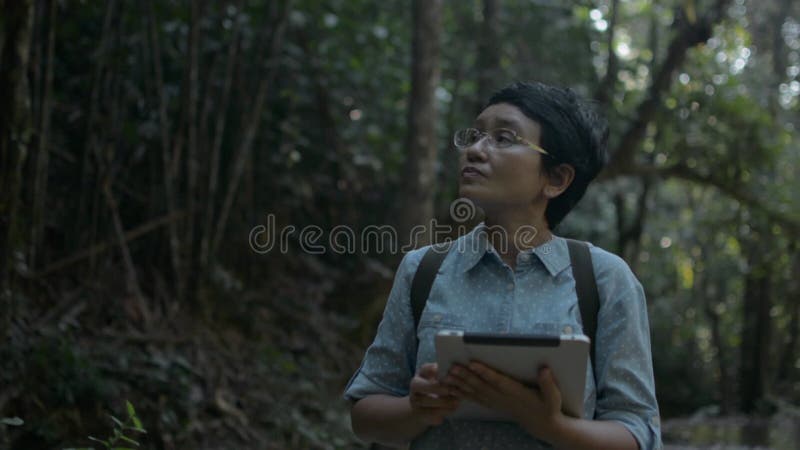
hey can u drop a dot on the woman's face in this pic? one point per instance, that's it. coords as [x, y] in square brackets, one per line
[507, 177]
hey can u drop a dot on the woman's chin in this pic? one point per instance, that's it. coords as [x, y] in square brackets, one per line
[478, 196]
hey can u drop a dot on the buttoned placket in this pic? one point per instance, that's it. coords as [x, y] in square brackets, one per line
[522, 266]
[503, 321]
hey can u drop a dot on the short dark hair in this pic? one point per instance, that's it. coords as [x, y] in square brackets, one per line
[573, 132]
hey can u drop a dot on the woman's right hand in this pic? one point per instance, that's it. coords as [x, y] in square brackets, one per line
[431, 401]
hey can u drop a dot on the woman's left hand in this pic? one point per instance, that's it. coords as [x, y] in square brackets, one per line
[537, 409]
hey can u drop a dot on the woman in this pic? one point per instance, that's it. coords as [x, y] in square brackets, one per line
[526, 162]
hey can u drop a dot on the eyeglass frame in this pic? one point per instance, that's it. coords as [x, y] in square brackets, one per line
[493, 143]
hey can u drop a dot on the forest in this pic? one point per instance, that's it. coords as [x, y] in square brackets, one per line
[147, 146]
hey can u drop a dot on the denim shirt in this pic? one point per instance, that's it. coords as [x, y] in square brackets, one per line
[475, 290]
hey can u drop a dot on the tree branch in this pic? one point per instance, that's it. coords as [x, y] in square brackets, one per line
[691, 32]
[680, 170]
[128, 236]
[132, 281]
[605, 90]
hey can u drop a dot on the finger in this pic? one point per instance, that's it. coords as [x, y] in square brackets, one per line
[461, 390]
[547, 384]
[423, 386]
[494, 378]
[429, 371]
[462, 378]
[469, 381]
[458, 386]
[475, 391]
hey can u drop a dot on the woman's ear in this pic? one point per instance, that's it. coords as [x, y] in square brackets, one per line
[558, 180]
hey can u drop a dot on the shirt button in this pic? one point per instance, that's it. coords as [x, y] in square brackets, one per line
[567, 329]
[437, 317]
[525, 256]
[510, 286]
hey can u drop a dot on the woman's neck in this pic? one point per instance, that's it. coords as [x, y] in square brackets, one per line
[512, 232]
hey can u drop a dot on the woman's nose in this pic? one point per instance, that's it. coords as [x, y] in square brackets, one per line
[478, 151]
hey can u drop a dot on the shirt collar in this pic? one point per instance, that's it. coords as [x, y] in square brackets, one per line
[554, 253]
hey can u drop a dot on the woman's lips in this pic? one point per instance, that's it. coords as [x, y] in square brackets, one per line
[471, 172]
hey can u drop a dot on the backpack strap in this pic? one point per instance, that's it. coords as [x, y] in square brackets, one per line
[586, 288]
[424, 276]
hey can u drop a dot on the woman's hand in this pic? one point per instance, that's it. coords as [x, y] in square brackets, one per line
[431, 401]
[537, 409]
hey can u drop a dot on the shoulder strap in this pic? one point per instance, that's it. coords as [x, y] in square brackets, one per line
[423, 278]
[586, 288]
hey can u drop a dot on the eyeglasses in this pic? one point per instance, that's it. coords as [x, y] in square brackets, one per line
[498, 138]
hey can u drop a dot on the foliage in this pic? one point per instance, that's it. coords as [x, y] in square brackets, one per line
[132, 423]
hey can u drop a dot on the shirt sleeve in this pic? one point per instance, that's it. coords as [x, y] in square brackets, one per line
[623, 358]
[390, 361]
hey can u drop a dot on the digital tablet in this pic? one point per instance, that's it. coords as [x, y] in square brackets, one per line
[520, 357]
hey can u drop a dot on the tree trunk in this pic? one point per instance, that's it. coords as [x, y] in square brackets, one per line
[15, 128]
[421, 142]
[166, 152]
[710, 298]
[755, 332]
[88, 197]
[216, 148]
[488, 52]
[779, 62]
[786, 367]
[192, 161]
[42, 141]
[629, 235]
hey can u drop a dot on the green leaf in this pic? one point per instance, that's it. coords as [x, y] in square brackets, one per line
[137, 423]
[92, 438]
[131, 410]
[129, 440]
[12, 421]
[117, 421]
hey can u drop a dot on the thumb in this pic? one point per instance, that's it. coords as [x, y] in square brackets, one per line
[429, 371]
[549, 388]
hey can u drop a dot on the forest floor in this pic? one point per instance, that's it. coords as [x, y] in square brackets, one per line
[253, 369]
